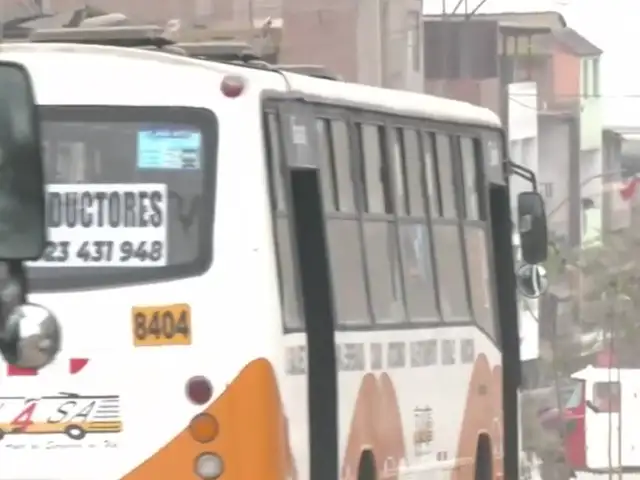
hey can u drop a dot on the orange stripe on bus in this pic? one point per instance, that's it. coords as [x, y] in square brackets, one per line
[376, 425]
[253, 434]
[484, 399]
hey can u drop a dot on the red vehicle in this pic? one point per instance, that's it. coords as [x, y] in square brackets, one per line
[592, 423]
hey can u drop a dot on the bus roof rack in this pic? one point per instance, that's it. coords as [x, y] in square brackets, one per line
[220, 50]
[318, 71]
[121, 36]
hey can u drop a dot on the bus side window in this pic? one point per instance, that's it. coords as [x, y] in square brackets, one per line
[413, 172]
[397, 168]
[335, 166]
[606, 396]
[430, 174]
[275, 162]
[290, 300]
[327, 170]
[344, 239]
[471, 164]
[384, 274]
[415, 248]
[475, 235]
[341, 160]
[446, 233]
[376, 192]
[444, 167]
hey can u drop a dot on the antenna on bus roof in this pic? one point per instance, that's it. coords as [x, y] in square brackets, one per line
[121, 36]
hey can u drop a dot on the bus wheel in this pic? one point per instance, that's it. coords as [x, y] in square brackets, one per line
[367, 466]
[75, 432]
[484, 459]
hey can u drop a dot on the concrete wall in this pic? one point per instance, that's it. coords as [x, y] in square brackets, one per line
[554, 161]
[378, 42]
[523, 132]
[372, 42]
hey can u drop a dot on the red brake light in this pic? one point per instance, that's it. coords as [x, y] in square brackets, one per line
[232, 86]
[199, 390]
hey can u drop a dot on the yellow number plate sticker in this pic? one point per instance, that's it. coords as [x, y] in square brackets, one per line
[161, 325]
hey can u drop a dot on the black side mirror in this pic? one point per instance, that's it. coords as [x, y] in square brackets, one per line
[29, 333]
[22, 200]
[532, 226]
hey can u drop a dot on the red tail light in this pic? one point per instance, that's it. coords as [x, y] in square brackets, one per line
[199, 390]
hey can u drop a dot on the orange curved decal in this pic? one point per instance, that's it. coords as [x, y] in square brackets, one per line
[253, 438]
[483, 410]
[376, 425]
[497, 432]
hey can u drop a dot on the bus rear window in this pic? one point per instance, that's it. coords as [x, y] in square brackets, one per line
[129, 195]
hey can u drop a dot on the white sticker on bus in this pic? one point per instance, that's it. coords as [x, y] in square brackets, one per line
[106, 225]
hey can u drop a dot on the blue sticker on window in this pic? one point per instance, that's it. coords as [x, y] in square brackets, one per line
[169, 149]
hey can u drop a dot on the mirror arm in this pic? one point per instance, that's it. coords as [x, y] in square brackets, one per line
[15, 277]
[524, 173]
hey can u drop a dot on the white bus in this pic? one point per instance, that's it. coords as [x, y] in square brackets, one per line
[282, 277]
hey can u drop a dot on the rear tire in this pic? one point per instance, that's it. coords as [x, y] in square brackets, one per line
[484, 459]
[367, 466]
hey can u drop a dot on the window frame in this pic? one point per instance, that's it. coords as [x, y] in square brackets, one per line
[202, 118]
[425, 128]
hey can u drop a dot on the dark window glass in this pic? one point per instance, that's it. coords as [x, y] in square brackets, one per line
[345, 251]
[470, 165]
[451, 280]
[341, 159]
[290, 304]
[129, 195]
[413, 172]
[445, 176]
[430, 174]
[377, 196]
[418, 273]
[606, 397]
[480, 278]
[383, 271]
[398, 172]
[275, 162]
[327, 171]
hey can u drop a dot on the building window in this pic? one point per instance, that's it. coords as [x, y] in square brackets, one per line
[596, 76]
[586, 77]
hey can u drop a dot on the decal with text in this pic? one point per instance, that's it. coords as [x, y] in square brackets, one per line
[106, 225]
[161, 325]
[68, 417]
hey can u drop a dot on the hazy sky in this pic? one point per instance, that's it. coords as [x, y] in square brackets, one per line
[610, 24]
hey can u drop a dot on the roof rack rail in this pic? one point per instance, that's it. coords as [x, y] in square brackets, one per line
[220, 50]
[121, 36]
[318, 71]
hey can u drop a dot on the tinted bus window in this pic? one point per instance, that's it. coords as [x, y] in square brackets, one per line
[129, 195]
